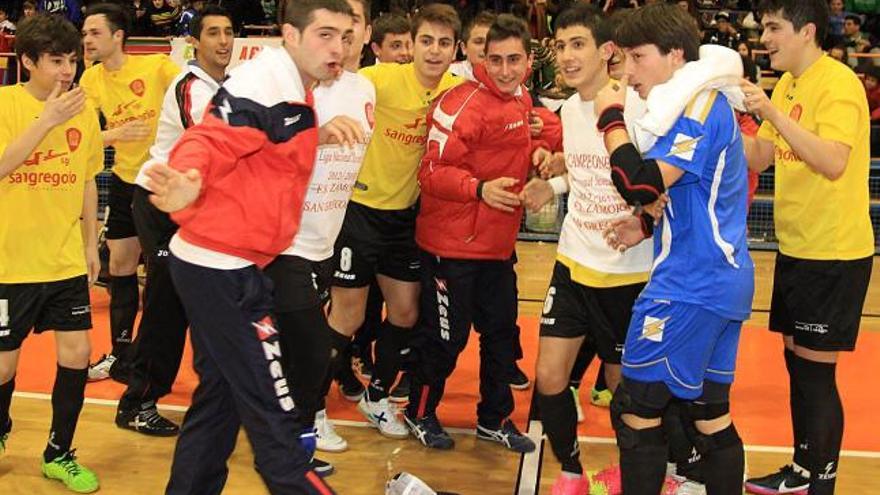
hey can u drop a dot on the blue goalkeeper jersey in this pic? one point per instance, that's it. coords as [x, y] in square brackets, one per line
[700, 251]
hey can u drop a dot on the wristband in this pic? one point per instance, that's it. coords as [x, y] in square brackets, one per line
[611, 118]
[559, 184]
[480, 189]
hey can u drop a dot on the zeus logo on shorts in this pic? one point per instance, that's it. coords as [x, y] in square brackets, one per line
[272, 351]
[442, 308]
[820, 328]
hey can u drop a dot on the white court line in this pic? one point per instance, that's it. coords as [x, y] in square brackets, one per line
[866, 454]
[530, 469]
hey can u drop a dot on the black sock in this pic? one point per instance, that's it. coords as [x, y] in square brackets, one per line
[6, 390]
[339, 348]
[725, 461]
[643, 465]
[585, 356]
[559, 416]
[67, 401]
[682, 451]
[123, 311]
[798, 413]
[388, 359]
[824, 412]
[600, 379]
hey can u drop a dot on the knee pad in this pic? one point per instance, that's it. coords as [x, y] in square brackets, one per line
[628, 437]
[704, 412]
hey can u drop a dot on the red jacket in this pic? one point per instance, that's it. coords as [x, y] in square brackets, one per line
[255, 172]
[475, 133]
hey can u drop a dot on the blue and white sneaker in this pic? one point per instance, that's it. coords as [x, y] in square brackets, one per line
[383, 415]
[508, 436]
[428, 431]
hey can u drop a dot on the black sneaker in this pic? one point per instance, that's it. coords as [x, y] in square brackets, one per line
[400, 393]
[429, 432]
[147, 421]
[508, 436]
[323, 468]
[520, 380]
[786, 480]
[352, 388]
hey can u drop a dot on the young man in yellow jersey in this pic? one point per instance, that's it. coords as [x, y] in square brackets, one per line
[816, 132]
[50, 152]
[378, 234]
[128, 91]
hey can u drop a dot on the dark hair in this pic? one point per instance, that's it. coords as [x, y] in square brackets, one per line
[301, 13]
[27, 3]
[852, 17]
[484, 18]
[210, 10]
[873, 71]
[588, 16]
[437, 13]
[116, 16]
[44, 33]
[387, 24]
[365, 4]
[665, 26]
[800, 13]
[508, 26]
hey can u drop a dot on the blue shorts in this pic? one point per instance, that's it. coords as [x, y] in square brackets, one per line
[681, 345]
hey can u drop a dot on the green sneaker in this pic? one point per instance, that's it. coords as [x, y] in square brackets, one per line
[601, 398]
[74, 475]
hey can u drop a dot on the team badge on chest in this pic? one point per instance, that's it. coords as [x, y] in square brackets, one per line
[74, 136]
[137, 87]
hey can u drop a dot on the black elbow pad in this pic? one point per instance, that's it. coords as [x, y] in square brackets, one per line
[639, 181]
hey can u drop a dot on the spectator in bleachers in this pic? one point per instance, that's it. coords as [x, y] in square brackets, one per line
[855, 41]
[838, 52]
[140, 20]
[28, 8]
[725, 32]
[750, 69]
[163, 16]
[6, 26]
[837, 18]
[872, 89]
[195, 6]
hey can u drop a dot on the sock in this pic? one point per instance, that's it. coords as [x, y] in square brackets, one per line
[123, 310]
[682, 451]
[581, 363]
[6, 390]
[67, 401]
[559, 416]
[798, 413]
[824, 414]
[600, 379]
[338, 345]
[643, 465]
[388, 359]
[726, 461]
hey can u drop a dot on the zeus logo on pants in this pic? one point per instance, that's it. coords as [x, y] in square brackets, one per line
[443, 308]
[272, 352]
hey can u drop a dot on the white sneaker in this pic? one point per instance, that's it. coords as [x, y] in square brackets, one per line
[101, 369]
[577, 404]
[328, 439]
[383, 415]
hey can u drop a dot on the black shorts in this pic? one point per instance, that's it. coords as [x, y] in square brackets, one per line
[600, 314]
[299, 283]
[120, 223]
[376, 242]
[62, 305]
[819, 302]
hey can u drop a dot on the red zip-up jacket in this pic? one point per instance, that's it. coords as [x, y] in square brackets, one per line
[475, 133]
[255, 149]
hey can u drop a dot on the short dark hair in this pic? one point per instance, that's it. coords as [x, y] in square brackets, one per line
[366, 4]
[210, 10]
[28, 3]
[852, 17]
[508, 26]
[800, 13]
[44, 33]
[117, 17]
[484, 18]
[301, 13]
[437, 13]
[590, 17]
[387, 24]
[663, 25]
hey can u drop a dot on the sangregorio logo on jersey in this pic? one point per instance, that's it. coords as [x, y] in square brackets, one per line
[684, 146]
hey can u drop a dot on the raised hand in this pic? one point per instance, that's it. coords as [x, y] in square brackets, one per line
[173, 190]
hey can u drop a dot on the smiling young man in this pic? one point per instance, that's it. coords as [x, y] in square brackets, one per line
[594, 286]
[378, 235]
[128, 91]
[682, 340]
[50, 152]
[391, 39]
[161, 334]
[816, 132]
[236, 184]
[479, 153]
